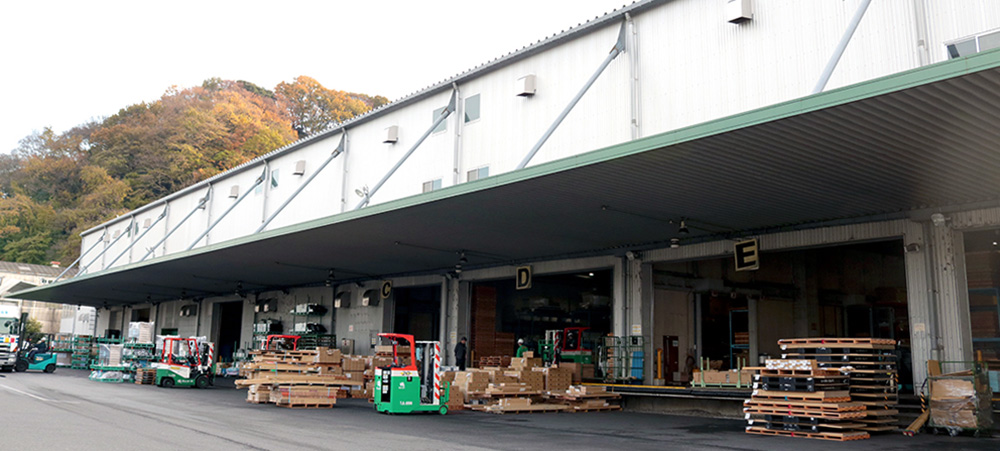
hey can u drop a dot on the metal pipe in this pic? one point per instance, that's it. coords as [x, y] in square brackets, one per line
[201, 203]
[106, 249]
[839, 51]
[337, 151]
[260, 180]
[139, 238]
[444, 115]
[615, 51]
[347, 171]
[634, 85]
[99, 241]
[459, 125]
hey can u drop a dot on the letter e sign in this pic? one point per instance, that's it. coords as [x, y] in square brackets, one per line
[747, 258]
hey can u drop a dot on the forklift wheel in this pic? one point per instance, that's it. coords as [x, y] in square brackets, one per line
[443, 410]
[201, 381]
[21, 366]
[50, 368]
[167, 382]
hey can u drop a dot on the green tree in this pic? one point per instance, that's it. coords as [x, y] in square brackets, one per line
[33, 330]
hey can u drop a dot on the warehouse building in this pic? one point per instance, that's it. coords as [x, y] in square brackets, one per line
[696, 178]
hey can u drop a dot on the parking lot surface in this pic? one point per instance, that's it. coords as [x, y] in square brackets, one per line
[66, 411]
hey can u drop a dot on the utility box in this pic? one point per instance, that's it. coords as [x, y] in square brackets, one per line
[391, 134]
[525, 86]
[370, 298]
[739, 11]
[342, 300]
[300, 167]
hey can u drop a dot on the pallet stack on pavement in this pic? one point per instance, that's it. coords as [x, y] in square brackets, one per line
[311, 378]
[871, 365]
[145, 376]
[526, 386]
[584, 398]
[795, 398]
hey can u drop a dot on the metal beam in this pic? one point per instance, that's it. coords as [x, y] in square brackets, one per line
[82, 270]
[339, 150]
[99, 241]
[444, 115]
[201, 203]
[615, 51]
[139, 238]
[260, 180]
[839, 51]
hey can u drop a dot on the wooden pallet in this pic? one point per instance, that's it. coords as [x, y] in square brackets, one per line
[823, 396]
[808, 413]
[794, 355]
[840, 426]
[818, 406]
[835, 436]
[594, 409]
[819, 373]
[306, 406]
[833, 341]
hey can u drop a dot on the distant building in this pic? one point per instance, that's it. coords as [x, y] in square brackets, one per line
[19, 276]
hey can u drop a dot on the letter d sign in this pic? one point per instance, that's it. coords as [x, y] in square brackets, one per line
[523, 277]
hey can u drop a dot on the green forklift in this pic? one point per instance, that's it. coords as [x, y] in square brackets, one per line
[184, 362]
[412, 383]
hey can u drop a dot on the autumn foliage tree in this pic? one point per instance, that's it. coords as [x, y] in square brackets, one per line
[56, 185]
[314, 108]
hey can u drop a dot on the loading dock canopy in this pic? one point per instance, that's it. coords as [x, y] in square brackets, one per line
[925, 138]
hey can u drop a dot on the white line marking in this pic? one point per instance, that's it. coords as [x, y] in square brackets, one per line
[40, 398]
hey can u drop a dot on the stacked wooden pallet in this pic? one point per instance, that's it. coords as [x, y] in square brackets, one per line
[871, 365]
[313, 378]
[583, 398]
[494, 361]
[794, 398]
[145, 376]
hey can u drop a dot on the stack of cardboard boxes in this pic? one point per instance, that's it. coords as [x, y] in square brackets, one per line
[307, 378]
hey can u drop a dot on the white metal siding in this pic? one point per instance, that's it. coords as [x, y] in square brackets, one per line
[693, 66]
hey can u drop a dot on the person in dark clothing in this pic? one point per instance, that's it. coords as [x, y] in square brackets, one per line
[460, 352]
[41, 348]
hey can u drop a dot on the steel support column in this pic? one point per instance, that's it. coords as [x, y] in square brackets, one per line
[841, 46]
[615, 51]
[444, 115]
[336, 152]
[201, 203]
[99, 241]
[139, 238]
[260, 180]
[84, 269]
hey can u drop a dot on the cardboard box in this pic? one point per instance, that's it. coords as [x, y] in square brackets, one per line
[327, 355]
[952, 388]
[528, 354]
[383, 349]
[353, 364]
[354, 375]
[524, 363]
[381, 361]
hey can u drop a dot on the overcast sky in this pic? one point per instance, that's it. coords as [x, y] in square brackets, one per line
[65, 62]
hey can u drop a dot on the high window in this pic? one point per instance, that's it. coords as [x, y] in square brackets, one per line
[477, 174]
[975, 44]
[472, 108]
[432, 185]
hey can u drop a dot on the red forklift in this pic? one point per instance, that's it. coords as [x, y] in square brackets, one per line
[281, 343]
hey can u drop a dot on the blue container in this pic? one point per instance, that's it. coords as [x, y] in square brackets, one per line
[637, 361]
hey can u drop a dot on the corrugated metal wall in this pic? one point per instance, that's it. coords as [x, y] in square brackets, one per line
[693, 66]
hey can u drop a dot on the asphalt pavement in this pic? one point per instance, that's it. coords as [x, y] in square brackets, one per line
[66, 411]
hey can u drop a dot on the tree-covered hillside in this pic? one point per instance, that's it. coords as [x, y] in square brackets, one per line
[55, 185]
